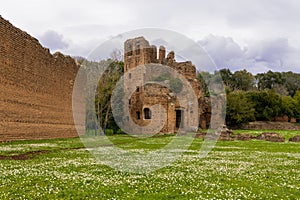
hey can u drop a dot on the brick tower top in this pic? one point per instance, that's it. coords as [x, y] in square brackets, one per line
[138, 51]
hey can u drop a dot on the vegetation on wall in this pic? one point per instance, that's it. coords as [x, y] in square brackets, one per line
[175, 83]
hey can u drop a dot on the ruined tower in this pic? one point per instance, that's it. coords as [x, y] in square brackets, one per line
[138, 52]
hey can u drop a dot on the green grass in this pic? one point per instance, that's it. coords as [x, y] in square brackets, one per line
[18, 147]
[232, 170]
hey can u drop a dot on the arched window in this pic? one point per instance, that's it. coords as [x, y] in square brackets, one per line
[147, 113]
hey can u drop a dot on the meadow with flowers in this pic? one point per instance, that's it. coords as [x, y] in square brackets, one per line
[64, 169]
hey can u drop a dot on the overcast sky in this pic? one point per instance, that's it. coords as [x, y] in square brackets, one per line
[256, 35]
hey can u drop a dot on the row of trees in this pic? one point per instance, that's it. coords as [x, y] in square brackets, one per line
[284, 83]
[261, 97]
[266, 105]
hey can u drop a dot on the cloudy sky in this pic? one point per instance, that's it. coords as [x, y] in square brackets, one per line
[256, 35]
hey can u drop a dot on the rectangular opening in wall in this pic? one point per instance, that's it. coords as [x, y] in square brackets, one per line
[179, 118]
[147, 113]
[138, 115]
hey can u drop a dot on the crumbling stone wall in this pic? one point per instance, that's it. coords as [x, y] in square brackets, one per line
[138, 52]
[36, 88]
[152, 94]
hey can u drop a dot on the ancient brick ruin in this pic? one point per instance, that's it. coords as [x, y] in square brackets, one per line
[138, 52]
[36, 88]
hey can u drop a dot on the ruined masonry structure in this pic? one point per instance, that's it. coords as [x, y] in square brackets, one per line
[35, 88]
[139, 52]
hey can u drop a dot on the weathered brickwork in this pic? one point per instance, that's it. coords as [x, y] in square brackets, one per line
[139, 52]
[36, 88]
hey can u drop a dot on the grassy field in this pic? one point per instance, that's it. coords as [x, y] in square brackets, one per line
[64, 169]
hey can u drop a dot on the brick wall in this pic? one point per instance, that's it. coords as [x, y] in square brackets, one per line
[138, 52]
[36, 88]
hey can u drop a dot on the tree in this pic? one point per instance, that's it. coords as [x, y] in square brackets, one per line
[280, 89]
[105, 89]
[267, 104]
[92, 69]
[175, 83]
[289, 107]
[239, 109]
[297, 105]
[292, 82]
[226, 75]
[269, 80]
[204, 79]
[243, 80]
[116, 55]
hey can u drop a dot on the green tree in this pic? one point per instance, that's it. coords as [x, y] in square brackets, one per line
[292, 82]
[267, 104]
[243, 80]
[175, 83]
[204, 79]
[289, 107]
[226, 75]
[297, 105]
[269, 80]
[239, 109]
[106, 86]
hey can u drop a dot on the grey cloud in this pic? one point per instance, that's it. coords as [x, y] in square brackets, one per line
[259, 56]
[222, 49]
[274, 52]
[260, 13]
[53, 40]
[242, 20]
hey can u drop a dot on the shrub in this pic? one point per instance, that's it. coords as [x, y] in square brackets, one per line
[109, 132]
